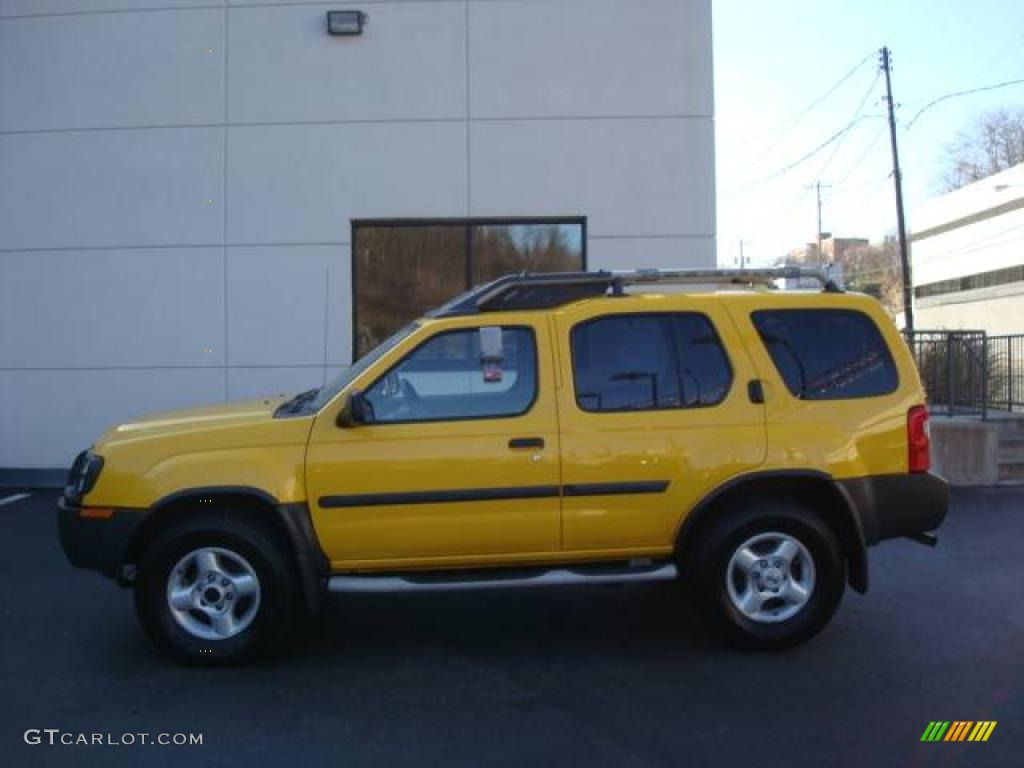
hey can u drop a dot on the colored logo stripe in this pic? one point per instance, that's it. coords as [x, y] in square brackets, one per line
[982, 731]
[958, 730]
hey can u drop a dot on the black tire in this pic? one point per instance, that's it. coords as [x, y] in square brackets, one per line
[273, 615]
[708, 573]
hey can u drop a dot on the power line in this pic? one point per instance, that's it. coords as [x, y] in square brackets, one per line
[856, 113]
[804, 158]
[794, 120]
[861, 159]
[955, 94]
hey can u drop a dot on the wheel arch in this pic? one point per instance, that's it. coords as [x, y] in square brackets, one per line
[290, 522]
[816, 489]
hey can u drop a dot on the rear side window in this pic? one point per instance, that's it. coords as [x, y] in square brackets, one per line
[648, 362]
[827, 354]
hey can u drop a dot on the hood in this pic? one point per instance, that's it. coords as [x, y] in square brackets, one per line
[203, 419]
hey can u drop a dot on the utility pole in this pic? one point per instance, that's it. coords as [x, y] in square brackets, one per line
[817, 187]
[885, 60]
[743, 261]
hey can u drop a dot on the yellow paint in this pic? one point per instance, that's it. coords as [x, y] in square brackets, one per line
[696, 450]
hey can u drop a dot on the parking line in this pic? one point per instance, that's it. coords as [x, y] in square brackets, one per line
[14, 498]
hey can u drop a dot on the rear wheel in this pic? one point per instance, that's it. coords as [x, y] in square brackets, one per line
[216, 590]
[770, 574]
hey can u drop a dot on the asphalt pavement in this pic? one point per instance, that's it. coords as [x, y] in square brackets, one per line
[573, 676]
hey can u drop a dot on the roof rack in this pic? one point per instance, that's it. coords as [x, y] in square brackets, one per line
[546, 290]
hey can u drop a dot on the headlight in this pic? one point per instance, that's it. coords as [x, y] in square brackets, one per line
[82, 477]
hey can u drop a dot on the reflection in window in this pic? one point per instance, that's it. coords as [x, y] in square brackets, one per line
[447, 377]
[400, 273]
[827, 354]
[646, 362]
[402, 270]
[625, 363]
[501, 249]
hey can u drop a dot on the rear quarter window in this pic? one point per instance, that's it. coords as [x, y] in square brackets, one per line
[827, 354]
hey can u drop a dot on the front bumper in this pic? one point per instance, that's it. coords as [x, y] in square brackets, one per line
[891, 506]
[96, 543]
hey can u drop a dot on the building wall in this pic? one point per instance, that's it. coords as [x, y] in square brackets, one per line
[179, 176]
[974, 230]
[999, 311]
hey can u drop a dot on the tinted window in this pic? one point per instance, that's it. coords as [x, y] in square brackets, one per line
[447, 377]
[704, 372]
[827, 354]
[644, 362]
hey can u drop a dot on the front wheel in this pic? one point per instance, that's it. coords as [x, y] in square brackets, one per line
[215, 590]
[770, 574]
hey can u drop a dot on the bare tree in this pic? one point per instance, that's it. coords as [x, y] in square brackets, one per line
[992, 143]
[875, 270]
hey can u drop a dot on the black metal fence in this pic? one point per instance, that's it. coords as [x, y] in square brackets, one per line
[970, 372]
[1006, 377]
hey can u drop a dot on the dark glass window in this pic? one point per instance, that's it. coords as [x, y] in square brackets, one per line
[972, 282]
[704, 372]
[646, 362]
[403, 269]
[827, 354]
[447, 378]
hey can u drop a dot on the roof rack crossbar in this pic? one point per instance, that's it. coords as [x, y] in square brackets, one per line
[490, 296]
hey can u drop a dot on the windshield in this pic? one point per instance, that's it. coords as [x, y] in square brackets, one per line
[327, 392]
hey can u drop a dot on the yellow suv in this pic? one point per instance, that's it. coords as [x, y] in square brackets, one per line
[538, 430]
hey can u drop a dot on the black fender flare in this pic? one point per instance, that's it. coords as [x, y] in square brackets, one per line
[848, 524]
[292, 518]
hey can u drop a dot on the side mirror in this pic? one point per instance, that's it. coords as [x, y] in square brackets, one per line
[356, 411]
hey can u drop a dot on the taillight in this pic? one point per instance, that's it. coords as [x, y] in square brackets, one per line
[918, 439]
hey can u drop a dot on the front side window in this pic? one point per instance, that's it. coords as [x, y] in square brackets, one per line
[475, 373]
[827, 354]
[648, 362]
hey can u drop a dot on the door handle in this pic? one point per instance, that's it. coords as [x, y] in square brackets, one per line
[526, 442]
[755, 391]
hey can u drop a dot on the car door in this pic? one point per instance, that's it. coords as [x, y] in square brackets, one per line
[459, 462]
[655, 413]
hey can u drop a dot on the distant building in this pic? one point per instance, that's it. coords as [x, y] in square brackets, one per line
[967, 251]
[833, 258]
[833, 250]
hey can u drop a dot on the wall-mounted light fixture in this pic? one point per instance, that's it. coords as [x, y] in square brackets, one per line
[345, 23]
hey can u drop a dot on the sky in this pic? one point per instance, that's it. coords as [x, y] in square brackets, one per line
[774, 59]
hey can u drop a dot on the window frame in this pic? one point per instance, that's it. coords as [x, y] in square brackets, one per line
[835, 310]
[670, 314]
[468, 223]
[463, 329]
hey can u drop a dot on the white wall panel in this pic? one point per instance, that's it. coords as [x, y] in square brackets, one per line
[249, 383]
[49, 416]
[162, 306]
[29, 7]
[102, 70]
[285, 67]
[303, 183]
[630, 177]
[277, 297]
[110, 188]
[651, 252]
[593, 58]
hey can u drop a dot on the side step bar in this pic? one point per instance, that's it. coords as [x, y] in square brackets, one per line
[440, 581]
